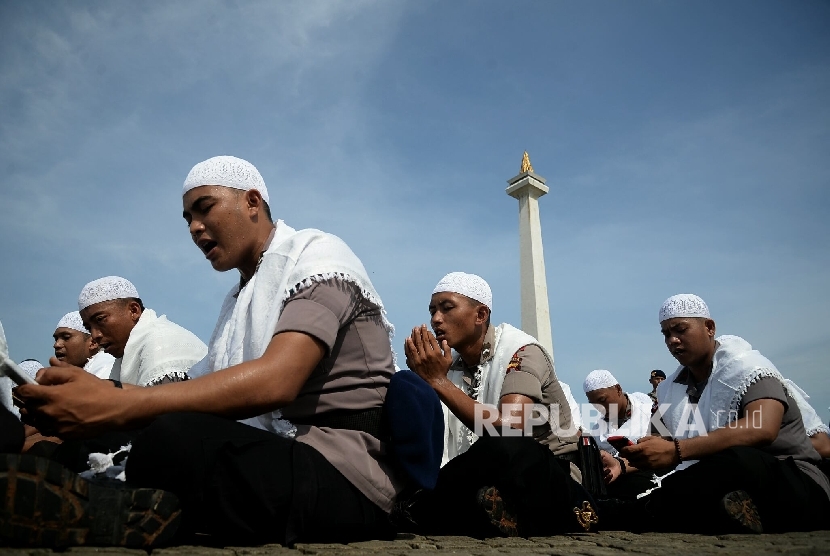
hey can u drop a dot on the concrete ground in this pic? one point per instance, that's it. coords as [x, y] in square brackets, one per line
[590, 544]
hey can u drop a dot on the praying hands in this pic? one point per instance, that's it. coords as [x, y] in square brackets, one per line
[426, 357]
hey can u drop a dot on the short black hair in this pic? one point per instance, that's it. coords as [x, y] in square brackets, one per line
[126, 300]
[476, 303]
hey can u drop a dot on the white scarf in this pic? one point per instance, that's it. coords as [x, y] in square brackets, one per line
[157, 348]
[457, 437]
[812, 422]
[293, 261]
[735, 367]
[6, 383]
[100, 364]
[636, 427]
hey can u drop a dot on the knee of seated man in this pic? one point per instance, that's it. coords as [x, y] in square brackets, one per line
[167, 436]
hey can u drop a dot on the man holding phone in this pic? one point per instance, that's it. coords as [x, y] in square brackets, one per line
[733, 432]
[277, 438]
[626, 418]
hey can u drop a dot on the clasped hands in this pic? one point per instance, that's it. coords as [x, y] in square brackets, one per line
[426, 357]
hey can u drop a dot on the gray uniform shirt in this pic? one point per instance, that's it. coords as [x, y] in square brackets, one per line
[353, 375]
[792, 440]
[530, 374]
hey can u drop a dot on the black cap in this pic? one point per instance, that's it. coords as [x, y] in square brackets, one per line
[657, 373]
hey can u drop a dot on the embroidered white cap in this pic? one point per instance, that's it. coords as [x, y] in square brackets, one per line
[470, 285]
[684, 305]
[599, 379]
[227, 171]
[74, 321]
[31, 366]
[106, 289]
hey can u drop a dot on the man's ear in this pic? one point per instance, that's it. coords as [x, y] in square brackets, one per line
[91, 345]
[482, 314]
[135, 310]
[254, 201]
[710, 327]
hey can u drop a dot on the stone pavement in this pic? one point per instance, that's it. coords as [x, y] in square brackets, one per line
[589, 544]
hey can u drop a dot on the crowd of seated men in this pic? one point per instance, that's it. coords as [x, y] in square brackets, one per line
[294, 423]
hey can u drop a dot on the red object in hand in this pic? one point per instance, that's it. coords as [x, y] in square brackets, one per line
[619, 442]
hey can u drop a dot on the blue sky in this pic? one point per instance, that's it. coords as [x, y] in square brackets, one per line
[685, 144]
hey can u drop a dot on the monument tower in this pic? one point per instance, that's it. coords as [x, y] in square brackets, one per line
[527, 187]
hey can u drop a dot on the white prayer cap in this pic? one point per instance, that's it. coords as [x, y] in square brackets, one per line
[74, 321]
[599, 379]
[31, 366]
[684, 305]
[227, 171]
[470, 285]
[106, 289]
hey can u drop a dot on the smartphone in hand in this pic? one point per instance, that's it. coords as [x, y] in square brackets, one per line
[10, 369]
[619, 442]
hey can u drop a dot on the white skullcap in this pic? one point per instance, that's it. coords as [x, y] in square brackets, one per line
[72, 320]
[470, 285]
[106, 289]
[227, 171]
[31, 367]
[599, 379]
[684, 305]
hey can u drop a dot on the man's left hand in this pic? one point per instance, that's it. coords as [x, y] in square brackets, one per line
[68, 402]
[651, 452]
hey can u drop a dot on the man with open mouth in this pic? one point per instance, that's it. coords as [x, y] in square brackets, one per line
[278, 436]
[74, 345]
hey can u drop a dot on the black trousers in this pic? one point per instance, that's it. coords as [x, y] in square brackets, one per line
[689, 500]
[237, 484]
[11, 432]
[246, 486]
[534, 484]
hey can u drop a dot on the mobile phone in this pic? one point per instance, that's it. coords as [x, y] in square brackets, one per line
[619, 442]
[10, 369]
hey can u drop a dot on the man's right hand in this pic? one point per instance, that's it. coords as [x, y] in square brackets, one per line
[426, 357]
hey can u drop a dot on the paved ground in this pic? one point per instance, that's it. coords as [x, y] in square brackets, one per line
[590, 544]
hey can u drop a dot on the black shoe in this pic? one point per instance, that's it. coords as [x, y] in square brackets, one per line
[742, 512]
[500, 516]
[402, 516]
[47, 505]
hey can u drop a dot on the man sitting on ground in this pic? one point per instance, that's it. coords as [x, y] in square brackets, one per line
[743, 458]
[301, 352]
[148, 349]
[626, 414]
[74, 345]
[500, 375]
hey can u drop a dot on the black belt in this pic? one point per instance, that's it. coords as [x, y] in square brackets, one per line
[369, 421]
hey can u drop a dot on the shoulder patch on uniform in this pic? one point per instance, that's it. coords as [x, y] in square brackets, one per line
[515, 363]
